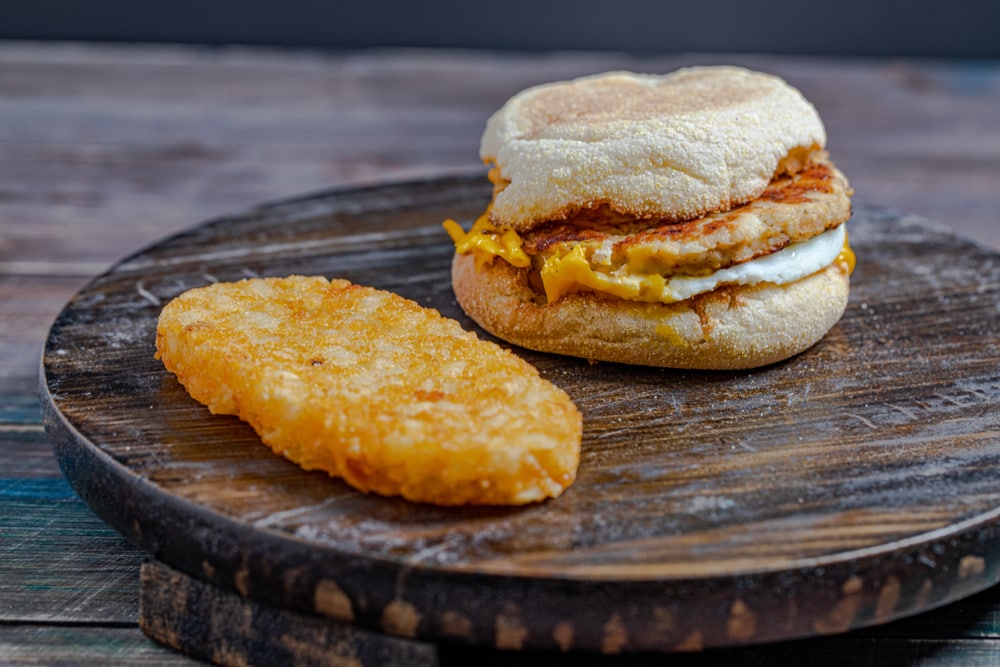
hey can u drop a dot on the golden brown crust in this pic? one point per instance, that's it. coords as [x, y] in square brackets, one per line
[373, 388]
[729, 328]
[674, 147]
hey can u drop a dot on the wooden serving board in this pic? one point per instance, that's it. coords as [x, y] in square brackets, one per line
[856, 483]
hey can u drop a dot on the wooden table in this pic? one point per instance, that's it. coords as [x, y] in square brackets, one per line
[105, 150]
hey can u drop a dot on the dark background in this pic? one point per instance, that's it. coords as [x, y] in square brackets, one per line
[932, 28]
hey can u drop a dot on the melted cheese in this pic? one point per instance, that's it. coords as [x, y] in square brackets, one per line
[847, 260]
[486, 241]
[573, 271]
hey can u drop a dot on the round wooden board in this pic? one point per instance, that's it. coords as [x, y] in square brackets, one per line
[856, 483]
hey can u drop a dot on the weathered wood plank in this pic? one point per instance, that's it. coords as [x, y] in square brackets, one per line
[28, 305]
[112, 646]
[58, 562]
[84, 646]
[19, 410]
[25, 450]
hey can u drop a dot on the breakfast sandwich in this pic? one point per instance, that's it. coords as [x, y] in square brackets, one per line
[691, 220]
[373, 388]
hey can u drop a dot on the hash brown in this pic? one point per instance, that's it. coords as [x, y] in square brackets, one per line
[373, 388]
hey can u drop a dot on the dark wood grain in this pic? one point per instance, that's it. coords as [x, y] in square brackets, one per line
[849, 486]
[226, 628]
[213, 624]
[959, 634]
[105, 149]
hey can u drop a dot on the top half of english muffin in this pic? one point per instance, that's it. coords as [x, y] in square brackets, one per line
[671, 147]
